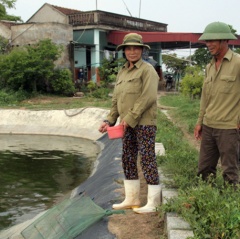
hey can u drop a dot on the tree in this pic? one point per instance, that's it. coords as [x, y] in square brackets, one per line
[8, 3]
[109, 69]
[201, 57]
[3, 13]
[3, 45]
[31, 68]
[173, 63]
[40, 65]
[233, 30]
[237, 50]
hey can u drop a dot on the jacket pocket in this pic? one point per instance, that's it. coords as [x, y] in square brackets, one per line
[133, 86]
[227, 84]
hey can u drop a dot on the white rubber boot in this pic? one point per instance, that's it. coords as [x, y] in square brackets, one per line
[132, 191]
[153, 200]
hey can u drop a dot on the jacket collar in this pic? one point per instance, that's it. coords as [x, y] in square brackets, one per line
[137, 64]
[228, 56]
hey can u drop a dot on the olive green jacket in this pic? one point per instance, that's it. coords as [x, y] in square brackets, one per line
[220, 100]
[135, 95]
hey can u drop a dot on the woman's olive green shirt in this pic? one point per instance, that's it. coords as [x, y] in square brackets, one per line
[220, 100]
[135, 95]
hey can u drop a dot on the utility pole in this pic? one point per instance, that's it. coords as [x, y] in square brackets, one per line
[190, 48]
[96, 4]
[139, 8]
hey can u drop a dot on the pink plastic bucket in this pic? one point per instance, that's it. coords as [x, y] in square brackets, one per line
[115, 132]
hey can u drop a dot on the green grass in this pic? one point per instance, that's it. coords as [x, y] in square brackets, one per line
[50, 102]
[185, 112]
[211, 209]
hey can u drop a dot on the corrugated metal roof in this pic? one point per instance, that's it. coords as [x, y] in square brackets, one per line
[169, 40]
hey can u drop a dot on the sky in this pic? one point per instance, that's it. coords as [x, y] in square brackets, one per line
[180, 15]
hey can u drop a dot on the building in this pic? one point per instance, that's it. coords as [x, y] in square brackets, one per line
[83, 34]
[90, 36]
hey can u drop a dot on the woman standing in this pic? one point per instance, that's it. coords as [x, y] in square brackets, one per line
[135, 102]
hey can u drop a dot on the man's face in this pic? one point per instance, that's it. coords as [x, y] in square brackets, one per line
[214, 46]
[133, 53]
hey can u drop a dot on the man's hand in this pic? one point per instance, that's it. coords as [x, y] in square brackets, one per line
[198, 132]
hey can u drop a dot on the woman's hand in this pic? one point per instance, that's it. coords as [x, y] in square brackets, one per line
[103, 127]
[125, 124]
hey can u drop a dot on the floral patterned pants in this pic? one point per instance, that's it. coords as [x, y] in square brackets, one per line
[140, 139]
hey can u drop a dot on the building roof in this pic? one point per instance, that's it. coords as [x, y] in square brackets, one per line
[61, 10]
[8, 24]
[66, 11]
[168, 40]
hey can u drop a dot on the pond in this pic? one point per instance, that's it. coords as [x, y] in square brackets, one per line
[38, 171]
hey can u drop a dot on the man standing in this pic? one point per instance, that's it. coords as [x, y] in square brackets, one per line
[218, 123]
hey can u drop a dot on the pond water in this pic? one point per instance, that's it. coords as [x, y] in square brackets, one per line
[38, 171]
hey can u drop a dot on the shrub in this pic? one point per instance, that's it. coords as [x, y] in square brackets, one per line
[109, 69]
[101, 93]
[192, 82]
[91, 86]
[61, 82]
[9, 97]
[29, 68]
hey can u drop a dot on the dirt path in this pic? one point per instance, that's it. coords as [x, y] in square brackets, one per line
[137, 226]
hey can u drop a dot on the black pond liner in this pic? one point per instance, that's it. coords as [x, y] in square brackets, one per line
[102, 185]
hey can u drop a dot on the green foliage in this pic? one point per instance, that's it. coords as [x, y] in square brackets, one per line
[91, 86]
[173, 63]
[3, 45]
[180, 160]
[237, 50]
[2, 10]
[201, 57]
[109, 69]
[62, 83]
[192, 82]
[108, 73]
[101, 93]
[29, 68]
[11, 97]
[212, 212]
[185, 111]
[211, 209]
[3, 13]
[234, 31]
[8, 3]
[12, 70]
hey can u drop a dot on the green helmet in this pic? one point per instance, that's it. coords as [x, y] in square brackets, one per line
[217, 31]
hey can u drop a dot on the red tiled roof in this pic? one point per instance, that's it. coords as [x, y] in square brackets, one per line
[66, 11]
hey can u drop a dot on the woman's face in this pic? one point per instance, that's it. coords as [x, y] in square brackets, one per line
[133, 53]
